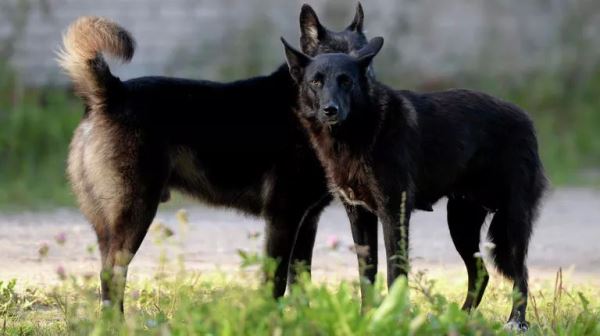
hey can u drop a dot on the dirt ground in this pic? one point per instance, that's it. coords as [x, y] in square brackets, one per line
[566, 236]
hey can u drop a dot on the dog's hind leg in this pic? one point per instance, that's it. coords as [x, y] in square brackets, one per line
[281, 232]
[103, 236]
[364, 232]
[126, 236]
[464, 221]
[290, 197]
[305, 241]
[121, 198]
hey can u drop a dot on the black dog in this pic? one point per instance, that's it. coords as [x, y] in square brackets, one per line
[236, 145]
[389, 150]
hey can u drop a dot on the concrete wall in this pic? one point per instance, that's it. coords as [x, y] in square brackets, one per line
[233, 38]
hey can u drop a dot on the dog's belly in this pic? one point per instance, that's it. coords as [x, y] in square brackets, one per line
[189, 176]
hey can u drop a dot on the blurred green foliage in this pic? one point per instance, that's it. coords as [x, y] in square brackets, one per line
[567, 122]
[36, 125]
[35, 129]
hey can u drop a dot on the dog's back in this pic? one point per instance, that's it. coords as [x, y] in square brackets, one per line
[219, 142]
[474, 144]
[482, 153]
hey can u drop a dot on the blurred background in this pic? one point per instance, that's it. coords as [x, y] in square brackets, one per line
[543, 55]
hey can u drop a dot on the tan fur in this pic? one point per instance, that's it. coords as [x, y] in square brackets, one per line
[312, 33]
[95, 173]
[76, 174]
[355, 182]
[184, 164]
[83, 42]
[115, 195]
[92, 168]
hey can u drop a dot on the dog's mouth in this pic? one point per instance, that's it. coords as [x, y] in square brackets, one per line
[331, 122]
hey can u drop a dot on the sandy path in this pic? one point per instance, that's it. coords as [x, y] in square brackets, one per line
[567, 235]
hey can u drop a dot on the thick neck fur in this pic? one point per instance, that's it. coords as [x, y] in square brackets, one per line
[345, 150]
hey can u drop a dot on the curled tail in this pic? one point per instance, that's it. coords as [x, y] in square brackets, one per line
[81, 56]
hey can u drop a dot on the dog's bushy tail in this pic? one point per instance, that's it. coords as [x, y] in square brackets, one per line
[81, 55]
[512, 226]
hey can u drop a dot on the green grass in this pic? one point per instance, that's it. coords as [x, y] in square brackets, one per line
[216, 304]
[176, 301]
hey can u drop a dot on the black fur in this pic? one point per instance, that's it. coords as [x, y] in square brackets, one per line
[236, 145]
[392, 150]
[317, 39]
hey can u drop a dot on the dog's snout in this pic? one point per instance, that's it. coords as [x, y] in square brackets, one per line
[330, 110]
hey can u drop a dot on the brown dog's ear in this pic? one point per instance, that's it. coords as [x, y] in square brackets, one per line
[366, 54]
[296, 61]
[311, 29]
[357, 22]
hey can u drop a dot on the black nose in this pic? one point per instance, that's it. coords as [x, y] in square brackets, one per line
[330, 110]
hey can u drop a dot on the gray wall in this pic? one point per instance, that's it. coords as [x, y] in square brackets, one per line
[428, 39]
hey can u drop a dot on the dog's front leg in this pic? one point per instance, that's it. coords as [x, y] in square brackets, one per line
[395, 215]
[364, 232]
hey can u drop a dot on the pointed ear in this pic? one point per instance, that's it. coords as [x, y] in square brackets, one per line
[366, 54]
[311, 29]
[296, 61]
[357, 22]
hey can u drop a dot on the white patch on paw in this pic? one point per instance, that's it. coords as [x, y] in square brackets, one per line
[515, 326]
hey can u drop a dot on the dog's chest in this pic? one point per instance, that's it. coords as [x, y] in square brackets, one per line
[348, 170]
[354, 183]
[356, 195]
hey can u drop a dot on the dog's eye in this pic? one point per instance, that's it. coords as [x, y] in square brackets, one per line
[316, 83]
[345, 81]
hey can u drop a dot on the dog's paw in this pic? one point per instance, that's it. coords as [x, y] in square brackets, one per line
[516, 326]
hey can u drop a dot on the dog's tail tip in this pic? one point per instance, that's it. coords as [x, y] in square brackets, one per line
[81, 55]
[90, 35]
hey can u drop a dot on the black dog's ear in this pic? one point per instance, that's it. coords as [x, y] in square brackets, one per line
[357, 22]
[296, 61]
[366, 54]
[311, 29]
